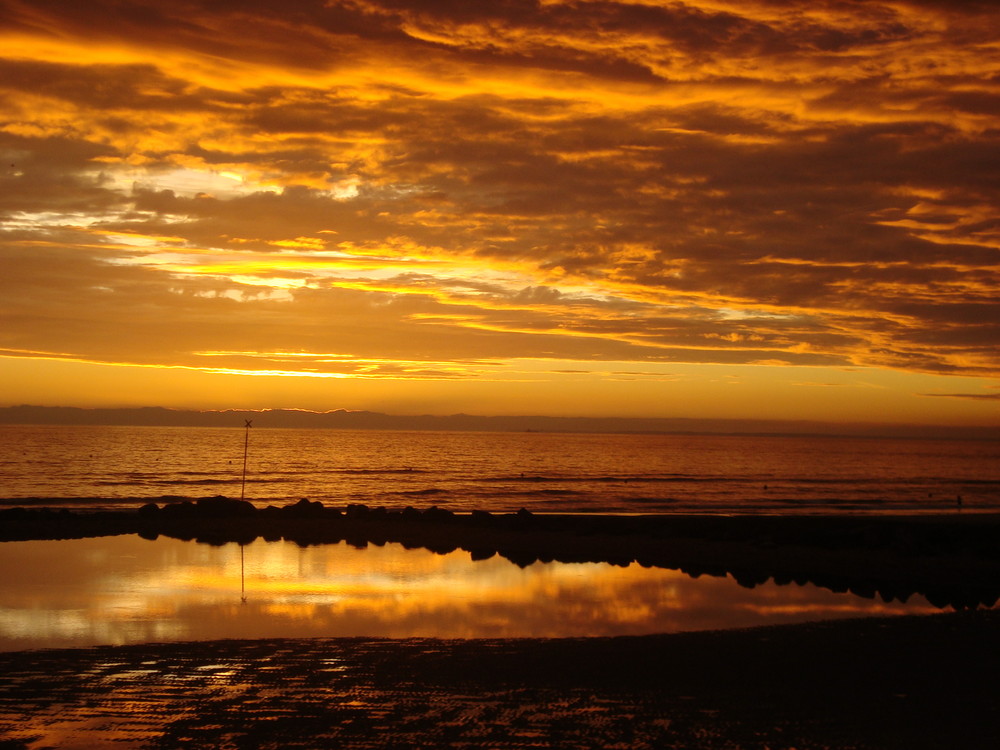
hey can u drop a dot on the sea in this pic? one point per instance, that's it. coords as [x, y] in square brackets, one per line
[115, 467]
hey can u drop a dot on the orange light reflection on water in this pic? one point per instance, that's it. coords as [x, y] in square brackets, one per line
[118, 590]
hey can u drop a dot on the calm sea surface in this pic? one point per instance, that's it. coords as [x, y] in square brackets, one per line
[102, 467]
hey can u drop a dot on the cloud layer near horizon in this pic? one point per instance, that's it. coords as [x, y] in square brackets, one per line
[394, 188]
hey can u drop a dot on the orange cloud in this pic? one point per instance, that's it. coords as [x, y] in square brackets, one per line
[419, 183]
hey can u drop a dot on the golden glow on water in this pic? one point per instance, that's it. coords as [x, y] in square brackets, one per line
[121, 590]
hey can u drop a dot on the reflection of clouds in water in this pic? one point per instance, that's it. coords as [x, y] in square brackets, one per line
[34, 628]
[124, 589]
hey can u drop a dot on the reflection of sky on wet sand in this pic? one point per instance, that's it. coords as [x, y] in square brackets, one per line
[117, 590]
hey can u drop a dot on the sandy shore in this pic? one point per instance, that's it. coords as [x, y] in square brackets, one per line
[907, 682]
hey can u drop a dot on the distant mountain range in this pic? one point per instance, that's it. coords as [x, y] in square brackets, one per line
[367, 420]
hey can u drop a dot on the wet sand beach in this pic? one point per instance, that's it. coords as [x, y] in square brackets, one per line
[907, 682]
[913, 682]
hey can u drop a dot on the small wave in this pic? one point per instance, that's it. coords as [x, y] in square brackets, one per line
[96, 502]
[378, 472]
[132, 482]
[609, 479]
[17, 502]
[490, 492]
[545, 493]
[186, 482]
[485, 496]
[236, 480]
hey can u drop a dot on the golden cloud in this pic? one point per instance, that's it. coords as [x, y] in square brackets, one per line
[423, 184]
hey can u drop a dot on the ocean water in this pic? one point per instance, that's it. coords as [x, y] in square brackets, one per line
[108, 467]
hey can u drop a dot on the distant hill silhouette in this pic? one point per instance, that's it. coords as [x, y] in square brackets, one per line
[367, 420]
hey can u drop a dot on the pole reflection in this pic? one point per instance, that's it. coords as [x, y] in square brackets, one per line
[118, 590]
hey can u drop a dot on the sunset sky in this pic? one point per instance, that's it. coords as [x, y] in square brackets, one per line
[714, 208]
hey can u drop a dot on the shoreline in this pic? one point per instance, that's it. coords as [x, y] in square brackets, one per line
[951, 559]
[908, 681]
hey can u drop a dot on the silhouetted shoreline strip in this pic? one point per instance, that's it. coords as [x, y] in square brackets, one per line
[953, 560]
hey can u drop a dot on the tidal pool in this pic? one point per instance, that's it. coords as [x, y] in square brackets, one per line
[126, 589]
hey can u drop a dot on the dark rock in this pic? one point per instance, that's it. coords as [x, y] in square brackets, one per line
[435, 513]
[481, 517]
[224, 507]
[149, 510]
[304, 509]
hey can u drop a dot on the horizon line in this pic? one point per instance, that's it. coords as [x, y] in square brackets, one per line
[749, 426]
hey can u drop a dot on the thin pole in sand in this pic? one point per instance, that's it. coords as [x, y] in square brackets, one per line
[246, 446]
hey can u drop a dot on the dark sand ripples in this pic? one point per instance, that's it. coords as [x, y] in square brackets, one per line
[911, 682]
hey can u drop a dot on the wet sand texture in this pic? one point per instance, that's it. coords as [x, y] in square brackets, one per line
[908, 682]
